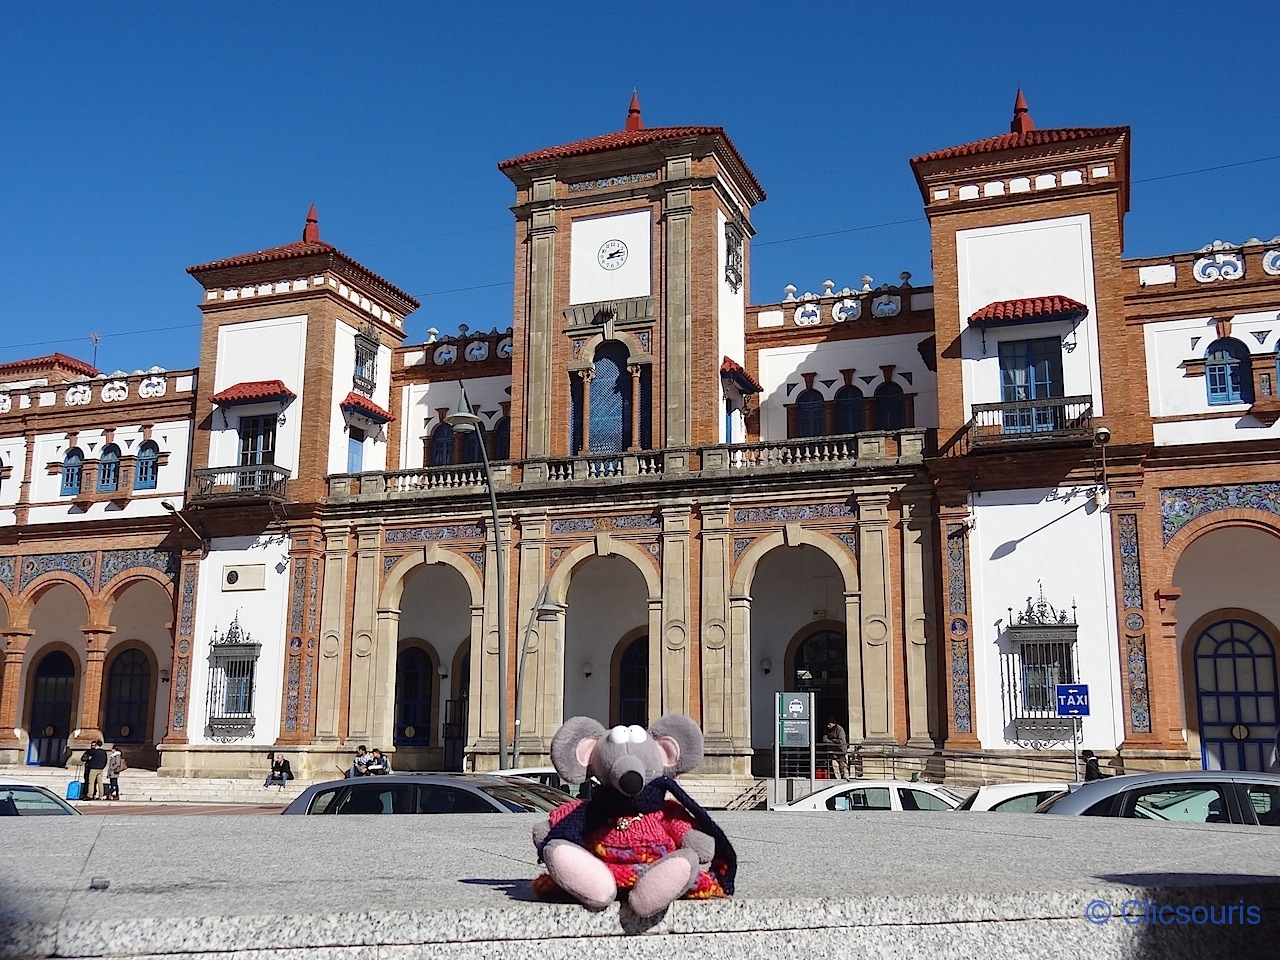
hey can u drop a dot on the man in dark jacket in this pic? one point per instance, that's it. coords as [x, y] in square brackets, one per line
[95, 762]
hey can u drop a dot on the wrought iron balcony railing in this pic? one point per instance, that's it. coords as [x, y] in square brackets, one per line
[1043, 420]
[263, 481]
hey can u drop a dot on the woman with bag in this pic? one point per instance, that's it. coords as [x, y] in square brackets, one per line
[115, 766]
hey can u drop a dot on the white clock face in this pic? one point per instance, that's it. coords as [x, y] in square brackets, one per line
[612, 255]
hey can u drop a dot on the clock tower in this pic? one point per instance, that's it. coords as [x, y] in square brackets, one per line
[631, 259]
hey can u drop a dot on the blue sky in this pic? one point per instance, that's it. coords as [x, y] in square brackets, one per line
[142, 138]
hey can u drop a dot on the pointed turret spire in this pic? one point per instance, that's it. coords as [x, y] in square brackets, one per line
[311, 232]
[634, 122]
[1022, 122]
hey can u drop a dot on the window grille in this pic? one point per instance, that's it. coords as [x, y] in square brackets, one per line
[233, 662]
[733, 234]
[1042, 653]
[365, 377]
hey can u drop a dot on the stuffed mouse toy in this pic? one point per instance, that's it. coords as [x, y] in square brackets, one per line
[628, 836]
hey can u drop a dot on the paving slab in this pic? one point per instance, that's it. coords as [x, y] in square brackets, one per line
[809, 884]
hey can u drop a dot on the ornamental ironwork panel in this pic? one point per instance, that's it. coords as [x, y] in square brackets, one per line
[233, 662]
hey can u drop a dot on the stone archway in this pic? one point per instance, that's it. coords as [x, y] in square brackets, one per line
[134, 688]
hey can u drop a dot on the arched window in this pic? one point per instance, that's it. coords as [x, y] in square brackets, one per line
[849, 410]
[633, 684]
[72, 472]
[811, 414]
[891, 407]
[109, 468]
[822, 665]
[1228, 375]
[610, 400]
[442, 446]
[502, 439]
[414, 682]
[51, 701]
[128, 698]
[471, 447]
[1235, 666]
[147, 467]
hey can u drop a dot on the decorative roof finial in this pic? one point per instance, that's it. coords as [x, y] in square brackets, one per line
[1022, 122]
[311, 232]
[633, 113]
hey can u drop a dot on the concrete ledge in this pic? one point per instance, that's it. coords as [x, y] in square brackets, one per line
[813, 885]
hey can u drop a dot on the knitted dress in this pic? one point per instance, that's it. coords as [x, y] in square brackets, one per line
[629, 844]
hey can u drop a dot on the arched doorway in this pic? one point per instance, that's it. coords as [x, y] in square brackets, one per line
[52, 697]
[415, 682]
[631, 705]
[821, 665]
[1235, 675]
[128, 703]
[607, 601]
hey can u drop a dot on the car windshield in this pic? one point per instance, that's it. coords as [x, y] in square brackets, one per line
[1049, 804]
[525, 796]
[19, 801]
[956, 795]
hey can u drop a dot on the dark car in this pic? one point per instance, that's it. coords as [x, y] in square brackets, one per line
[1184, 796]
[30, 800]
[428, 793]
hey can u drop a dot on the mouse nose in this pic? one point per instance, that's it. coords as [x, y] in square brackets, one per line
[631, 783]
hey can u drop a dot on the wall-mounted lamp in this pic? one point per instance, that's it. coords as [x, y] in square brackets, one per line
[443, 671]
[164, 675]
[766, 665]
[587, 669]
[204, 544]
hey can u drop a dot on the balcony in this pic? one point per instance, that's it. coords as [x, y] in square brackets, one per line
[255, 483]
[798, 456]
[1043, 421]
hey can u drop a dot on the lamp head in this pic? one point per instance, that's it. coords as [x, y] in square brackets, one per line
[462, 420]
[1102, 436]
[168, 505]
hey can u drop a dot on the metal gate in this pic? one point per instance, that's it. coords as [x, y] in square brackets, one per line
[1235, 665]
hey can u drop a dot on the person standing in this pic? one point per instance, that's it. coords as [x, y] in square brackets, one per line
[837, 744]
[1092, 769]
[95, 762]
[115, 766]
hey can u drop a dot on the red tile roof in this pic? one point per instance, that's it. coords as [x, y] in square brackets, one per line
[253, 391]
[1029, 310]
[620, 139]
[732, 370]
[56, 360]
[362, 404]
[1016, 141]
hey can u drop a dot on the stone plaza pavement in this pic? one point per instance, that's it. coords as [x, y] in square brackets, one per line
[931, 885]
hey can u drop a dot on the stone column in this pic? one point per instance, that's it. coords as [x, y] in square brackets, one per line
[490, 686]
[95, 642]
[333, 613]
[634, 370]
[533, 640]
[540, 381]
[184, 640]
[724, 680]
[853, 656]
[362, 721]
[677, 218]
[917, 567]
[877, 616]
[1168, 698]
[15, 651]
[738, 708]
[676, 610]
[587, 374]
[386, 653]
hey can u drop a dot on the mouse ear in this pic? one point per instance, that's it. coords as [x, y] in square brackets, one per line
[573, 746]
[680, 740]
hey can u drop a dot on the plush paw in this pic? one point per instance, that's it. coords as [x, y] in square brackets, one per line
[580, 874]
[664, 882]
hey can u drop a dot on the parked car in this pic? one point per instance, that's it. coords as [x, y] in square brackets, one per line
[1012, 797]
[31, 800]
[550, 777]
[1186, 796]
[427, 793]
[878, 795]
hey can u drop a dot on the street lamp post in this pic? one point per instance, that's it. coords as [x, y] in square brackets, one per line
[545, 612]
[464, 421]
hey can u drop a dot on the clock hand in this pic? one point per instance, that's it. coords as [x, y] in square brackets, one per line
[614, 255]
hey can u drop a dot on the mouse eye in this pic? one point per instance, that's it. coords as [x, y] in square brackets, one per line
[618, 735]
[636, 734]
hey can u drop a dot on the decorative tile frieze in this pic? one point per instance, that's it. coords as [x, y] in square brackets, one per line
[389, 562]
[313, 600]
[1130, 563]
[739, 545]
[593, 524]
[116, 562]
[1180, 505]
[654, 549]
[850, 540]
[8, 568]
[299, 590]
[79, 565]
[644, 339]
[292, 687]
[477, 557]
[1139, 703]
[957, 591]
[793, 512]
[456, 531]
[961, 698]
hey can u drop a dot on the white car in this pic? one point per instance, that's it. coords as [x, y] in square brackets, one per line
[1013, 797]
[547, 776]
[878, 795]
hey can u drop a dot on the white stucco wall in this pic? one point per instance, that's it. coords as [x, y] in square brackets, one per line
[375, 443]
[1173, 394]
[781, 367]
[262, 613]
[13, 456]
[1058, 538]
[1036, 259]
[588, 281]
[436, 608]
[732, 317]
[421, 401]
[273, 349]
[606, 601]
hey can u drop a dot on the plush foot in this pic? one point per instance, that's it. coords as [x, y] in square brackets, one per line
[664, 882]
[580, 874]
